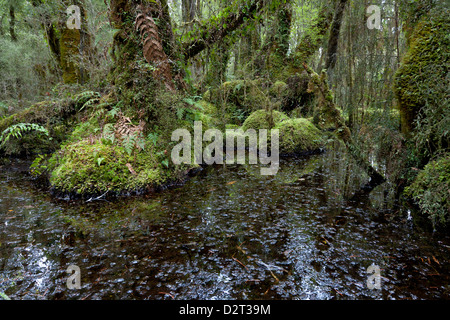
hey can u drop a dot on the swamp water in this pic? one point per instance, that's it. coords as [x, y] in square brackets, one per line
[227, 233]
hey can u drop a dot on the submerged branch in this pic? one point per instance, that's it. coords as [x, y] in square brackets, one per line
[319, 85]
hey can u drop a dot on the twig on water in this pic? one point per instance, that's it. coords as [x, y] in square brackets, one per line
[98, 198]
[240, 263]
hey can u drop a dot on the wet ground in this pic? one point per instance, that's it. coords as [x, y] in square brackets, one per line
[228, 233]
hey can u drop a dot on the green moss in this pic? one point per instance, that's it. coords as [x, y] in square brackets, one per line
[69, 49]
[299, 135]
[278, 90]
[430, 190]
[86, 168]
[260, 120]
[244, 94]
[423, 68]
[207, 107]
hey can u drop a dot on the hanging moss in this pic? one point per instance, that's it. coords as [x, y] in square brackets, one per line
[423, 68]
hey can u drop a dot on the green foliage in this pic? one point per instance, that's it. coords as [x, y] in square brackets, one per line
[25, 71]
[3, 109]
[430, 190]
[18, 130]
[236, 99]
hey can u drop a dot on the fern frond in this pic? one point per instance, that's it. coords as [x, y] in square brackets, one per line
[153, 49]
[18, 129]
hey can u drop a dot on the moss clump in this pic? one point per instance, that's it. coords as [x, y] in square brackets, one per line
[235, 100]
[278, 90]
[260, 119]
[207, 107]
[93, 168]
[299, 135]
[424, 68]
[431, 188]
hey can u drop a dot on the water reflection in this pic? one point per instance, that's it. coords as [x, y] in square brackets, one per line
[228, 233]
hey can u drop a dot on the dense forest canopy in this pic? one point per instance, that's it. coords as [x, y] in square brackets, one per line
[95, 106]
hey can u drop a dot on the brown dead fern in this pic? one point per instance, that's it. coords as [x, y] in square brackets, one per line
[153, 50]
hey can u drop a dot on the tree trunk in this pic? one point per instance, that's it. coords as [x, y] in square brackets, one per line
[319, 85]
[12, 23]
[74, 44]
[334, 35]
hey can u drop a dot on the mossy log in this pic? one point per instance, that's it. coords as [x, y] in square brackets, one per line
[319, 85]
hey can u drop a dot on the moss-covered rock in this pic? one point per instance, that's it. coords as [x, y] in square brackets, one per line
[94, 168]
[261, 119]
[431, 189]
[299, 135]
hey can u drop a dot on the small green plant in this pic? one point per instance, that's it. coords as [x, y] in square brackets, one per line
[153, 137]
[17, 131]
[4, 296]
[3, 109]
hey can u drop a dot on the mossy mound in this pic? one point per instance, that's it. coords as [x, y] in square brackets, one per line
[260, 119]
[421, 77]
[94, 168]
[278, 90]
[235, 100]
[430, 190]
[58, 117]
[299, 135]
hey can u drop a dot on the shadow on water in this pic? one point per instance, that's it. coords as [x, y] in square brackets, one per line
[228, 233]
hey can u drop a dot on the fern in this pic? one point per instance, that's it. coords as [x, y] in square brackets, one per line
[17, 130]
[153, 137]
[180, 113]
[85, 96]
[109, 132]
[128, 143]
[89, 103]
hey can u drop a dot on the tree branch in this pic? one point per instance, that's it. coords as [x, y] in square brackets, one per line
[230, 22]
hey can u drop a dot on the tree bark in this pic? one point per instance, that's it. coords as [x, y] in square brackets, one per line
[334, 35]
[12, 23]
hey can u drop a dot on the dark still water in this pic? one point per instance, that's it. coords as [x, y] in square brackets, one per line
[228, 233]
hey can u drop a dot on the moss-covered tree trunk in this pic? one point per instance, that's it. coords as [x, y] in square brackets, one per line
[73, 44]
[12, 23]
[423, 68]
[276, 46]
[334, 36]
[319, 85]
